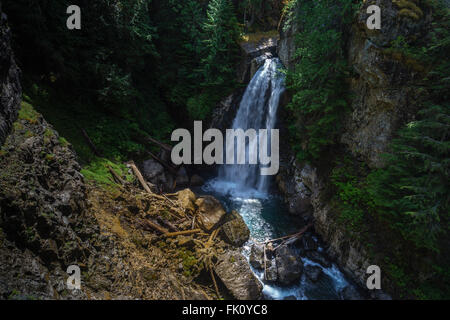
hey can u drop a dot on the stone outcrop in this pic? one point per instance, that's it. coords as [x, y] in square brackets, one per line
[289, 265]
[42, 208]
[235, 231]
[209, 212]
[382, 90]
[296, 194]
[10, 88]
[253, 56]
[257, 256]
[382, 96]
[235, 273]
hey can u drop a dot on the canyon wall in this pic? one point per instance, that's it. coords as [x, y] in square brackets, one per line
[10, 89]
[382, 97]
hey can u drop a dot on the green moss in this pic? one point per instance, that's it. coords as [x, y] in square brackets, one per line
[27, 113]
[408, 9]
[98, 172]
[63, 142]
[18, 126]
[15, 294]
[49, 157]
[190, 262]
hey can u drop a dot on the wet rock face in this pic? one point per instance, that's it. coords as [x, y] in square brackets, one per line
[257, 256]
[235, 273]
[10, 88]
[382, 90]
[235, 231]
[210, 212]
[289, 265]
[313, 273]
[253, 56]
[297, 194]
[286, 45]
[224, 113]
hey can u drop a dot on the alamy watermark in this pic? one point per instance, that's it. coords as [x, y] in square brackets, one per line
[259, 150]
[74, 279]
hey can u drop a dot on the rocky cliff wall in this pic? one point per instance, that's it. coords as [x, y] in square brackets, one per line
[10, 89]
[382, 97]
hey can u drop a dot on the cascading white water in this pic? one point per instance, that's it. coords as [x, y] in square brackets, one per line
[257, 110]
[242, 188]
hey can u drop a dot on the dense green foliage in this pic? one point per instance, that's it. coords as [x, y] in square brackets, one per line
[318, 80]
[136, 67]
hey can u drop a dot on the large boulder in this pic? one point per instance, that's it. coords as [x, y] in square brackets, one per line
[235, 231]
[313, 273]
[271, 274]
[235, 273]
[210, 212]
[256, 258]
[289, 265]
[187, 198]
[153, 172]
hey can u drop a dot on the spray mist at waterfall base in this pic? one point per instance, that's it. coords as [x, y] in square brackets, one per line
[267, 218]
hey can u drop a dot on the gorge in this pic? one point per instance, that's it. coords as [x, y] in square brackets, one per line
[357, 169]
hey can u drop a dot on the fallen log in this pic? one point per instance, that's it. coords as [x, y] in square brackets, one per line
[151, 226]
[298, 234]
[139, 176]
[215, 283]
[90, 143]
[159, 144]
[116, 176]
[163, 163]
[166, 223]
[182, 233]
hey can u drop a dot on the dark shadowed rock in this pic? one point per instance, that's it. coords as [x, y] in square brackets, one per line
[308, 243]
[153, 171]
[10, 88]
[313, 273]
[197, 181]
[235, 231]
[210, 212]
[289, 265]
[235, 273]
[350, 293]
[257, 256]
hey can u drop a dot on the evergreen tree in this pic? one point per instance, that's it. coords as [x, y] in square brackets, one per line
[414, 189]
[317, 81]
[222, 33]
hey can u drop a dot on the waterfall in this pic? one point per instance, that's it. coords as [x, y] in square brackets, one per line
[257, 110]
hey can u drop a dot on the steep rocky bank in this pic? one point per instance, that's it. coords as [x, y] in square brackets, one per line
[50, 218]
[382, 97]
